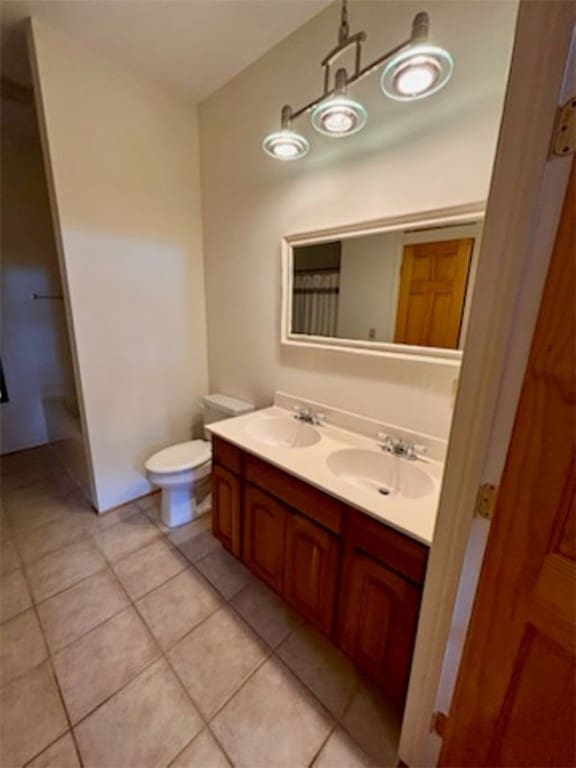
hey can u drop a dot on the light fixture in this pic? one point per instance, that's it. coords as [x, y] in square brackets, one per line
[412, 70]
[339, 115]
[416, 73]
[286, 144]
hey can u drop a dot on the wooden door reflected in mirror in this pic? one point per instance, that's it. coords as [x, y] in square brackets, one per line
[433, 280]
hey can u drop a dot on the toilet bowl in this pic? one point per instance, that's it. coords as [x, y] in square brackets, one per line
[177, 469]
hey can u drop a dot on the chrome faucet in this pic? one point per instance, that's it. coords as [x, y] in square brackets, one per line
[397, 446]
[308, 416]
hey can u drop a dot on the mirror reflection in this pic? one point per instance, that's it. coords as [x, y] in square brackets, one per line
[407, 286]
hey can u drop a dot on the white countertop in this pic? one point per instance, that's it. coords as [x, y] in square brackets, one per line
[415, 517]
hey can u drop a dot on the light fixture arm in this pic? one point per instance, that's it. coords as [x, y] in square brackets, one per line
[358, 75]
[419, 34]
[286, 119]
[420, 27]
[345, 41]
[344, 30]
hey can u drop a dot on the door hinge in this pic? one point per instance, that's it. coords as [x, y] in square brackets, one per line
[439, 723]
[564, 137]
[485, 501]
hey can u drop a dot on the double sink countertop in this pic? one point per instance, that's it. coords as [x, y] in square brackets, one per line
[351, 467]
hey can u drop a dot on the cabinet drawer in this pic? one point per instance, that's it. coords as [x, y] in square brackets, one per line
[226, 454]
[297, 494]
[398, 552]
[264, 536]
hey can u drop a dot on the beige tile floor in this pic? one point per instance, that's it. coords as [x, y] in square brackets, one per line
[123, 644]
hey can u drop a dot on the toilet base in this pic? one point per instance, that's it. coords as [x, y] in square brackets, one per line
[178, 506]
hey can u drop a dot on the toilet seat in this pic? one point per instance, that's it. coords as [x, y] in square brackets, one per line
[180, 457]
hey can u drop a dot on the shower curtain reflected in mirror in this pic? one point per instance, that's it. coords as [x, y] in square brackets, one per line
[315, 303]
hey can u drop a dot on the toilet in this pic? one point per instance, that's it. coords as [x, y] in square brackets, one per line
[177, 469]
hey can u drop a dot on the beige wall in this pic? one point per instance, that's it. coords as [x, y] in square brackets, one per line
[124, 162]
[369, 282]
[432, 153]
[35, 352]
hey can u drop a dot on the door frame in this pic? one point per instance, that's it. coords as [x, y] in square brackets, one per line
[524, 204]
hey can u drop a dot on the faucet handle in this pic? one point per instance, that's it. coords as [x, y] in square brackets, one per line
[319, 419]
[415, 451]
[399, 446]
[419, 450]
[385, 440]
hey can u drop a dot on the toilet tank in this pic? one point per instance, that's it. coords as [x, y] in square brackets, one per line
[217, 407]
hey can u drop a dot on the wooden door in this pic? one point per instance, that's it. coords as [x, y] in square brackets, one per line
[226, 508]
[514, 703]
[264, 536]
[378, 625]
[311, 571]
[432, 293]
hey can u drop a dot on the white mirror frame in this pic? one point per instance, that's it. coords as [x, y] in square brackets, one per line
[461, 214]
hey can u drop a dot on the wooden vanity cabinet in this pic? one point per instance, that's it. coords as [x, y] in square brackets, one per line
[352, 577]
[382, 578]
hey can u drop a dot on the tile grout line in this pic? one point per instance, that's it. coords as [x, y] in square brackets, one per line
[338, 720]
[51, 478]
[111, 695]
[61, 592]
[272, 653]
[131, 678]
[223, 602]
[84, 534]
[55, 677]
[220, 745]
[56, 651]
[162, 653]
[52, 743]
[49, 654]
[323, 744]
[207, 720]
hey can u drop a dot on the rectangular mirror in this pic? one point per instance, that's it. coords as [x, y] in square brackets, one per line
[399, 287]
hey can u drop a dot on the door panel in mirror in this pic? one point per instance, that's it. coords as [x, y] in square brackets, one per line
[432, 292]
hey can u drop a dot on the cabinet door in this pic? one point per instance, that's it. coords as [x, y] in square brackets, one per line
[226, 508]
[378, 622]
[264, 532]
[311, 571]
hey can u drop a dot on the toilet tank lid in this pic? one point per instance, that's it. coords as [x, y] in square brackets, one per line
[227, 404]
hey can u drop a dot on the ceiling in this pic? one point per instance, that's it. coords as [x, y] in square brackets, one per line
[190, 47]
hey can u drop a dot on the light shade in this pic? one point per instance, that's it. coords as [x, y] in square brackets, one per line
[286, 145]
[416, 72]
[339, 116]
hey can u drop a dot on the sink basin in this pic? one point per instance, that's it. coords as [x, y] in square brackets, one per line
[283, 433]
[380, 472]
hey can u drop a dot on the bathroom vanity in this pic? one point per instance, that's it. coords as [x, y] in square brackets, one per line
[345, 569]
